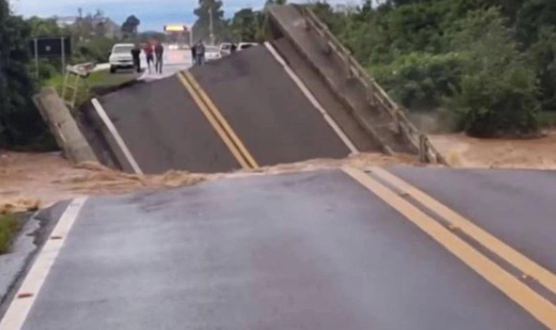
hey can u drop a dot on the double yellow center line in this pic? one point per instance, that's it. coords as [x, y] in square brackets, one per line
[534, 303]
[217, 121]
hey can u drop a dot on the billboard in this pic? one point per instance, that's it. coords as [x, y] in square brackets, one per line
[175, 28]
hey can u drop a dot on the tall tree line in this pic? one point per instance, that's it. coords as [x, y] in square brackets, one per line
[485, 66]
[246, 25]
[20, 123]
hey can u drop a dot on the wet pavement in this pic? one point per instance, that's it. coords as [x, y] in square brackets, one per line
[164, 128]
[314, 250]
[173, 60]
[267, 110]
[516, 206]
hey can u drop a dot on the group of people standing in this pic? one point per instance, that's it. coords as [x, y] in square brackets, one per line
[198, 53]
[154, 53]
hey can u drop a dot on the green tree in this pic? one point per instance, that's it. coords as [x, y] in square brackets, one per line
[275, 2]
[542, 55]
[41, 27]
[497, 93]
[130, 26]
[20, 123]
[534, 16]
[201, 28]
[244, 25]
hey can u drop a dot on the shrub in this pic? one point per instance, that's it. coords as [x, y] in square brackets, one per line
[542, 55]
[8, 228]
[421, 81]
[497, 94]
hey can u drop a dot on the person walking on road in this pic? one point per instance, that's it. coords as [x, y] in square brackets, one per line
[149, 54]
[159, 52]
[200, 52]
[194, 54]
[136, 54]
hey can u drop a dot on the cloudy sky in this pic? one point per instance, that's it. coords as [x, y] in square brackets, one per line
[154, 14]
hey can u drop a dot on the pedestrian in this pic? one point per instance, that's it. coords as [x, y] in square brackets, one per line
[159, 52]
[200, 52]
[135, 54]
[194, 54]
[149, 54]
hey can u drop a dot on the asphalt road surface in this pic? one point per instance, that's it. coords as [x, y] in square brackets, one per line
[315, 250]
[165, 127]
[174, 61]
[267, 110]
[518, 207]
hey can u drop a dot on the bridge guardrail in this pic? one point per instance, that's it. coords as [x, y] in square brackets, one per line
[376, 95]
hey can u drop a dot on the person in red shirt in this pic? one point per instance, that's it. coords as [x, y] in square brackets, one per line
[149, 54]
[159, 52]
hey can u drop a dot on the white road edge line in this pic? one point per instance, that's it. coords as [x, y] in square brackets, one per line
[112, 129]
[25, 297]
[312, 99]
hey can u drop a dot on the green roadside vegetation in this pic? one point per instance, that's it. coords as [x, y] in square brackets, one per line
[92, 35]
[547, 119]
[96, 82]
[8, 228]
[486, 67]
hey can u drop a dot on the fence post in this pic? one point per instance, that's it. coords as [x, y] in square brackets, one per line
[348, 64]
[306, 17]
[423, 149]
[371, 91]
[397, 124]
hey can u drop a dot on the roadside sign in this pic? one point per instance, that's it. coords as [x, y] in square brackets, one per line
[50, 47]
[55, 47]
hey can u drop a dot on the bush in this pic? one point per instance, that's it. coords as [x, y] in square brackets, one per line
[459, 57]
[8, 228]
[421, 81]
[20, 122]
[497, 95]
[493, 105]
[93, 50]
[547, 119]
[542, 55]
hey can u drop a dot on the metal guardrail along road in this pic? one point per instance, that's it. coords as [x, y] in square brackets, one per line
[376, 95]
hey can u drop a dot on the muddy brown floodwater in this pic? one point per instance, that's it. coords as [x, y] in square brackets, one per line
[31, 181]
[464, 151]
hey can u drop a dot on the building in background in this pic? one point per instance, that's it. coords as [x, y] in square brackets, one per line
[98, 25]
[65, 21]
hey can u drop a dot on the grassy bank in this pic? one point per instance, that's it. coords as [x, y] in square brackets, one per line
[96, 81]
[547, 119]
[8, 228]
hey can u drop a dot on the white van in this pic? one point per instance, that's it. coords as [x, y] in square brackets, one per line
[120, 57]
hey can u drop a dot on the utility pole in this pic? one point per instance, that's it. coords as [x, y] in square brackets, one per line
[211, 28]
[36, 41]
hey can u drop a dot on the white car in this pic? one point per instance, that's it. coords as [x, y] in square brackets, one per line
[226, 48]
[245, 45]
[212, 53]
[120, 57]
